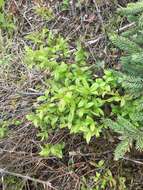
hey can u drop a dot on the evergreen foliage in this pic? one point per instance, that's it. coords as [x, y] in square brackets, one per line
[130, 116]
[130, 43]
[129, 132]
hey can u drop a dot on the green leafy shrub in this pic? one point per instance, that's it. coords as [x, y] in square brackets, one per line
[65, 5]
[75, 102]
[5, 124]
[103, 179]
[130, 116]
[6, 22]
[52, 150]
[45, 12]
[3, 128]
[49, 49]
[132, 110]
[74, 99]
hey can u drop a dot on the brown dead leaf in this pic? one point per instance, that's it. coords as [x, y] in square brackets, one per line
[90, 18]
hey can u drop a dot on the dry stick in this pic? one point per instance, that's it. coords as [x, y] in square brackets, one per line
[132, 160]
[31, 93]
[98, 13]
[45, 183]
[125, 27]
[102, 36]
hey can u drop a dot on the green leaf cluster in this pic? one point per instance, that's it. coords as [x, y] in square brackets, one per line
[52, 150]
[3, 128]
[6, 21]
[45, 12]
[48, 52]
[75, 99]
[103, 179]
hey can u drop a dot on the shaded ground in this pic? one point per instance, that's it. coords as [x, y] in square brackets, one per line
[19, 151]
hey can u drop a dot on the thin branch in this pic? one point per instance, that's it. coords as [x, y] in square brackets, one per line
[45, 183]
[98, 13]
[125, 27]
[31, 93]
[92, 42]
[132, 160]
[102, 36]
